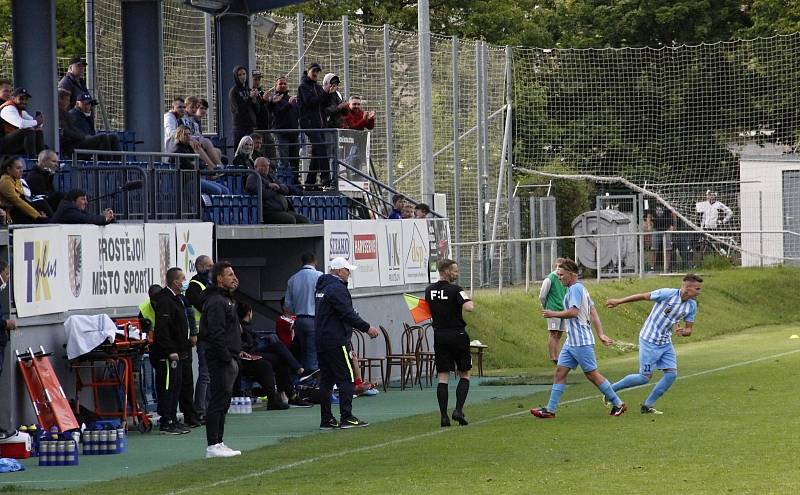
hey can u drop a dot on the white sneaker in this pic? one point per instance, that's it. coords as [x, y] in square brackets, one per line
[219, 450]
[233, 452]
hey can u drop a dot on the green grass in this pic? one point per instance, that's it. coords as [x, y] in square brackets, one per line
[724, 431]
[731, 300]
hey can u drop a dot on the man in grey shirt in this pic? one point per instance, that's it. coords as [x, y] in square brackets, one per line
[300, 301]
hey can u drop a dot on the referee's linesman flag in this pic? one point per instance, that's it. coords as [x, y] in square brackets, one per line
[419, 309]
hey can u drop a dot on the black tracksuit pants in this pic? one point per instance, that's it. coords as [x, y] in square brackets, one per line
[186, 390]
[168, 377]
[335, 368]
[223, 375]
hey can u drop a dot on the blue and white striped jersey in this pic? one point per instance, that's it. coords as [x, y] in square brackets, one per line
[667, 311]
[579, 330]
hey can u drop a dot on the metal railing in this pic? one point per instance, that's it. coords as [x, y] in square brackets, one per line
[499, 268]
[170, 191]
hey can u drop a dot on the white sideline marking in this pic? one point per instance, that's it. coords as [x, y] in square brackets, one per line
[366, 448]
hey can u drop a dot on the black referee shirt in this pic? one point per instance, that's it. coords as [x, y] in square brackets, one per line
[445, 300]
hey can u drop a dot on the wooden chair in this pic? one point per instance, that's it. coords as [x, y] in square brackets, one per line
[406, 361]
[423, 350]
[367, 364]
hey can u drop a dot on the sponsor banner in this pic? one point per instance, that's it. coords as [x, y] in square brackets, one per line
[39, 274]
[365, 253]
[161, 250]
[122, 277]
[416, 251]
[439, 243]
[353, 149]
[62, 268]
[339, 244]
[81, 262]
[193, 240]
[390, 252]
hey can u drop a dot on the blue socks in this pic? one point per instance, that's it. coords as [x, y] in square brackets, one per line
[555, 396]
[662, 386]
[608, 391]
[629, 381]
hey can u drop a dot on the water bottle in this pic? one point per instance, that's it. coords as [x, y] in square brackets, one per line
[61, 450]
[87, 442]
[235, 405]
[95, 442]
[103, 442]
[33, 431]
[44, 452]
[71, 455]
[122, 440]
[113, 447]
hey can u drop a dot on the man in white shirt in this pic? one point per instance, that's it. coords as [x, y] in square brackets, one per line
[172, 119]
[22, 134]
[710, 209]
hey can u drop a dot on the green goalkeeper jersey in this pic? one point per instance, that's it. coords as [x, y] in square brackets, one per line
[555, 297]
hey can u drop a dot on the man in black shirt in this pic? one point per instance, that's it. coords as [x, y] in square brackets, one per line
[661, 222]
[450, 339]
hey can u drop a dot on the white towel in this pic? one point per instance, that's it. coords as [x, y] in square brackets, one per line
[85, 332]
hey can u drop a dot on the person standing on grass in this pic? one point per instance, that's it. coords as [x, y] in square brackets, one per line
[222, 335]
[655, 339]
[334, 320]
[579, 311]
[6, 325]
[551, 295]
[450, 339]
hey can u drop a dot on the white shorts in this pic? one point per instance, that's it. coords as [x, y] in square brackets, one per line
[556, 324]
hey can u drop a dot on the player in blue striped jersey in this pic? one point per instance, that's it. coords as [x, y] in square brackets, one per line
[655, 339]
[578, 350]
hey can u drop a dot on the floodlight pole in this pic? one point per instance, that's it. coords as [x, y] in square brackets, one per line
[428, 187]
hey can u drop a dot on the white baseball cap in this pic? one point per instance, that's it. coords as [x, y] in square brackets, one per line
[338, 263]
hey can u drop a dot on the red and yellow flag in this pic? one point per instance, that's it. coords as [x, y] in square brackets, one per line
[419, 309]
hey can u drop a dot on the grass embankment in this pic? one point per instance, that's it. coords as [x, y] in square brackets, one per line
[731, 301]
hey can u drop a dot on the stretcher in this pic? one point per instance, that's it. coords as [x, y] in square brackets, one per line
[47, 397]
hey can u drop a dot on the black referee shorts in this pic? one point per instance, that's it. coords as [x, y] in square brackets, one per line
[451, 348]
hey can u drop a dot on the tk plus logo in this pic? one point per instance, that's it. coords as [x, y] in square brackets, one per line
[39, 270]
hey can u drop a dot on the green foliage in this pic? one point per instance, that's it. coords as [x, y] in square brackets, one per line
[731, 301]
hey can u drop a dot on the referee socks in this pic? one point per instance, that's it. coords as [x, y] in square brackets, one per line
[462, 389]
[441, 396]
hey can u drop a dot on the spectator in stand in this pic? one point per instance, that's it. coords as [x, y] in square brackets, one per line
[244, 103]
[710, 210]
[183, 144]
[300, 302]
[5, 90]
[72, 210]
[12, 194]
[40, 178]
[6, 325]
[73, 80]
[408, 211]
[263, 117]
[222, 334]
[194, 123]
[356, 118]
[22, 134]
[258, 145]
[244, 154]
[336, 108]
[398, 201]
[661, 222]
[422, 211]
[170, 341]
[312, 102]
[195, 296]
[173, 119]
[285, 114]
[81, 122]
[276, 207]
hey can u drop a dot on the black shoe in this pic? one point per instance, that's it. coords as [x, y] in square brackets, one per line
[298, 402]
[445, 422]
[650, 410]
[331, 424]
[194, 422]
[352, 422]
[459, 416]
[172, 429]
[182, 426]
[308, 376]
[277, 405]
[618, 410]
[7, 434]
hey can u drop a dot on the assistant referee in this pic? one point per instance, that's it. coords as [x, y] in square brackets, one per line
[450, 339]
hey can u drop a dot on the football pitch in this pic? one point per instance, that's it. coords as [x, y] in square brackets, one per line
[728, 427]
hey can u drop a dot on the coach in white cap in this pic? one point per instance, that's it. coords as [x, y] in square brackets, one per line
[333, 319]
